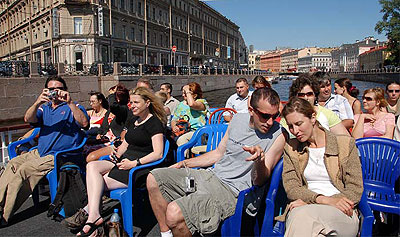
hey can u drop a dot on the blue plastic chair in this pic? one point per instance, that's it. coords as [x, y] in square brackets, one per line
[232, 225]
[215, 133]
[268, 227]
[125, 195]
[52, 176]
[380, 159]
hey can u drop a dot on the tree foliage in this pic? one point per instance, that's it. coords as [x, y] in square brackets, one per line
[390, 24]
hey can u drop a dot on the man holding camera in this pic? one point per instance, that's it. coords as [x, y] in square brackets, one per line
[187, 201]
[61, 122]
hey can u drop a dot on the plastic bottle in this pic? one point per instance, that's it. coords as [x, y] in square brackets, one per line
[115, 225]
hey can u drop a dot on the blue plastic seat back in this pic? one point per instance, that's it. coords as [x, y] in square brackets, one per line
[212, 134]
[380, 160]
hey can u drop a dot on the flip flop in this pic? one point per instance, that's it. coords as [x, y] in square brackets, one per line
[93, 227]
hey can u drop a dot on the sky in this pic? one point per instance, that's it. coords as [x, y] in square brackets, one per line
[268, 24]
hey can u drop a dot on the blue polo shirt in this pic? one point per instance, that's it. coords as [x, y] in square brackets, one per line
[58, 128]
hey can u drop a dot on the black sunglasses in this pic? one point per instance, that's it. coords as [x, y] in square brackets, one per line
[368, 98]
[267, 116]
[53, 88]
[308, 94]
[393, 91]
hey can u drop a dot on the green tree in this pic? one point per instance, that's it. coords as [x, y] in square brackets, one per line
[390, 24]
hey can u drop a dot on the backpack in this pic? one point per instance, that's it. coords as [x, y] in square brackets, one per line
[183, 125]
[71, 192]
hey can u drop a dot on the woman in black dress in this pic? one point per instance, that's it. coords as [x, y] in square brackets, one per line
[144, 143]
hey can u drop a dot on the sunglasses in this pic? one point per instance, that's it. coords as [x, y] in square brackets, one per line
[368, 98]
[394, 91]
[308, 94]
[267, 116]
[53, 88]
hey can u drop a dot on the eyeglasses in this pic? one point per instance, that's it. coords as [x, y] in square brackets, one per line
[394, 91]
[267, 116]
[368, 98]
[53, 88]
[308, 94]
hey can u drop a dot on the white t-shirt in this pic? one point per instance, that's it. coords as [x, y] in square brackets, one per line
[317, 176]
[340, 106]
[238, 103]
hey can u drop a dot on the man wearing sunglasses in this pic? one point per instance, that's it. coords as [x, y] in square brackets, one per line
[61, 122]
[246, 156]
[393, 92]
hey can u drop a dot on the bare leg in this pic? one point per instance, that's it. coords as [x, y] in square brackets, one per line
[95, 186]
[175, 220]
[157, 201]
[95, 155]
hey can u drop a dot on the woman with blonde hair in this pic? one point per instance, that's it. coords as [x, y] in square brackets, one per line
[144, 143]
[321, 175]
[376, 122]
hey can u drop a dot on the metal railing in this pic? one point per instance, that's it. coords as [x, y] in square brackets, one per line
[6, 137]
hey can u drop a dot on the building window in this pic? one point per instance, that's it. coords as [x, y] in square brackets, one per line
[139, 9]
[114, 25]
[133, 34]
[122, 4]
[141, 36]
[124, 32]
[132, 5]
[78, 25]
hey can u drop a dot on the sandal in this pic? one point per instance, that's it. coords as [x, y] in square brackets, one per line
[93, 228]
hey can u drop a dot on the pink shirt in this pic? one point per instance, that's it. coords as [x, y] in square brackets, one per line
[379, 127]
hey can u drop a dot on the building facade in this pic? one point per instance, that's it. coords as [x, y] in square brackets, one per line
[80, 32]
[373, 59]
[315, 62]
[346, 57]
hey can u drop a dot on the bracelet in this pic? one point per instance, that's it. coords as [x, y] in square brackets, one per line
[138, 162]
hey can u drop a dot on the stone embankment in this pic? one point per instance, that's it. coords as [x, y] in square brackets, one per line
[17, 94]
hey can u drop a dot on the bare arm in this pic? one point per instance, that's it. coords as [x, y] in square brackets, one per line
[193, 104]
[389, 130]
[263, 167]
[358, 130]
[158, 149]
[30, 114]
[79, 115]
[339, 129]
[357, 107]
[348, 123]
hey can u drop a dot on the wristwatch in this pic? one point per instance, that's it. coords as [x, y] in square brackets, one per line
[138, 162]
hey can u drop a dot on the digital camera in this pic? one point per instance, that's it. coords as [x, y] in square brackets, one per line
[190, 185]
[52, 94]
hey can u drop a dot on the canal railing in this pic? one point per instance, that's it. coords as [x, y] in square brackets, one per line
[7, 133]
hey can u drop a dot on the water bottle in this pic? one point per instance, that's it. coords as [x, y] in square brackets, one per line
[114, 230]
[279, 226]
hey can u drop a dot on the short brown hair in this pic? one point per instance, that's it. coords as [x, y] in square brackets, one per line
[196, 89]
[299, 105]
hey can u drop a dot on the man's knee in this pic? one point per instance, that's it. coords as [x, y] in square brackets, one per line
[174, 215]
[151, 183]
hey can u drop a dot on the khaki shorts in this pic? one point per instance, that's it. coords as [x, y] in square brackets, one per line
[203, 210]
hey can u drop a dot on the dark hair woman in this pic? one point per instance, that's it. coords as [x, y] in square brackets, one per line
[99, 109]
[345, 88]
[114, 123]
[321, 175]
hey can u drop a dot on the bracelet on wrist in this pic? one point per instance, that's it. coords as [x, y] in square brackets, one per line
[138, 163]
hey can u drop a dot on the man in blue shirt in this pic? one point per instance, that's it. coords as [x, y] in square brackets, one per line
[61, 122]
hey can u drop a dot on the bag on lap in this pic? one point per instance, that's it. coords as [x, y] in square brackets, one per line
[71, 192]
[183, 125]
